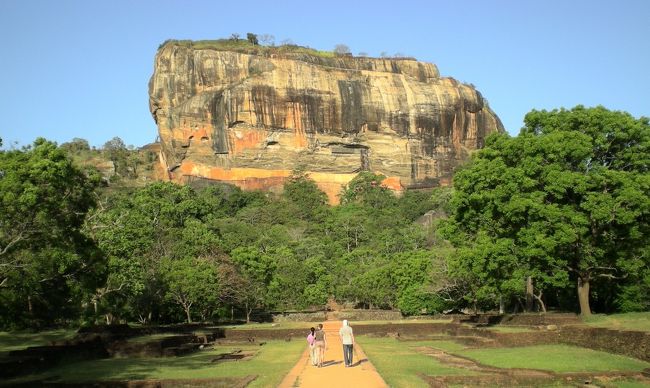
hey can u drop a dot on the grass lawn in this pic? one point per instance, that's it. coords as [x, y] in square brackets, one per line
[272, 362]
[625, 321]
[448, 346]
[21, 340]
[399, 363]
[558, 358]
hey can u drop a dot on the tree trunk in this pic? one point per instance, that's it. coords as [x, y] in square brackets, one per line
[540, 301]
[232, 313]
[187, 312]
[502, 305]
[29, 305]
[583, 295]
[529, 294]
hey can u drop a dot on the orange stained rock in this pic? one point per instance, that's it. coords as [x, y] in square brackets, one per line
[185, 134]
[243, 139]
[362, 374]
[258, 178]
[394, 183]
[294, 120]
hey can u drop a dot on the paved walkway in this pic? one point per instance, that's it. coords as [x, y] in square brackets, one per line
[362, 374]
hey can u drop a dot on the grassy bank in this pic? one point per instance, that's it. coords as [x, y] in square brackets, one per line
[270, 363]
[626, 321]
[23, 339]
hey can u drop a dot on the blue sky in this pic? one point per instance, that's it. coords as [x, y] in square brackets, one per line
[80, 68]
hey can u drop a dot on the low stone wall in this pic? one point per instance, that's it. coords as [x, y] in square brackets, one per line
[368, 315]
[520, 319]
[318, 316]
[634, 344]
[418, 330]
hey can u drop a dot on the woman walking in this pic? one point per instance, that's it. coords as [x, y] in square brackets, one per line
[311, 340]
[321, 344]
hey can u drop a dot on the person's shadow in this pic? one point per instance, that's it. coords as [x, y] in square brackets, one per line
[359, 362]
[331, 362]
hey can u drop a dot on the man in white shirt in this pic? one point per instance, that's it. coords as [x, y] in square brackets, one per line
[347, 338]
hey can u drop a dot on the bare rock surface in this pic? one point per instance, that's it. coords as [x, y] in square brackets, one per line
[250, 119]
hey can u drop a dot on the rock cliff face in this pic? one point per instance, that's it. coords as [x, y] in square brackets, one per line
[250, 120]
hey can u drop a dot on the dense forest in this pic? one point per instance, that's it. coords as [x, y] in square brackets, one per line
[555, 218]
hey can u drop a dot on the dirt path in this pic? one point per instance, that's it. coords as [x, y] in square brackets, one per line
[362, 374]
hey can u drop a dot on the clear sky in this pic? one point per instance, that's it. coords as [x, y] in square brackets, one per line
[80, 68]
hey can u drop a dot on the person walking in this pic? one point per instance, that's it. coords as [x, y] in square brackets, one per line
[311, 340]
[321, 344]
[347, 338]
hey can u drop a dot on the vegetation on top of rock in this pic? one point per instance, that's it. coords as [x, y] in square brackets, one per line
[251, 46]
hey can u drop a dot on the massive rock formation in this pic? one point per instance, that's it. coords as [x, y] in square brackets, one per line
[251, 119]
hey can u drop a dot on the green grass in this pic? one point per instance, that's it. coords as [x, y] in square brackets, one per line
[448, 346]
[557, 358]
[626, 321]
[272, 362]
[21, 340]
[399, 363]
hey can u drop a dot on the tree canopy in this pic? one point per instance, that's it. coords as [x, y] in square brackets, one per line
[565, 201]
[45, 258]
[556, 216]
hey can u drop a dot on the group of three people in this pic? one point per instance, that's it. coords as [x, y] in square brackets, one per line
[318, 344]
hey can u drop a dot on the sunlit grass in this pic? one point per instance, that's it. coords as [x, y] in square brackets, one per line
[626, 321]
[21, 340]
[399, 363]
[271, 363]
[448, 346]
[557, 358]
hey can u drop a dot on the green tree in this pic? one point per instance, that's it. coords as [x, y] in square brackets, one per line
[257, 269]
[569, 198]
[252, 38]
[342, 49]
[47, 264]
[191, 283]
[137, 230]
[366, 189]
[76, 146]
[302, 192]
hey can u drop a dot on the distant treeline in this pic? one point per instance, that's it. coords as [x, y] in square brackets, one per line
[556, 217]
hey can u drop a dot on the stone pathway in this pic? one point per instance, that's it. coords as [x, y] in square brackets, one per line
[362, 374]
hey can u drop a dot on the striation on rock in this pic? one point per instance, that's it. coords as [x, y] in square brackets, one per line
[251, 119]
